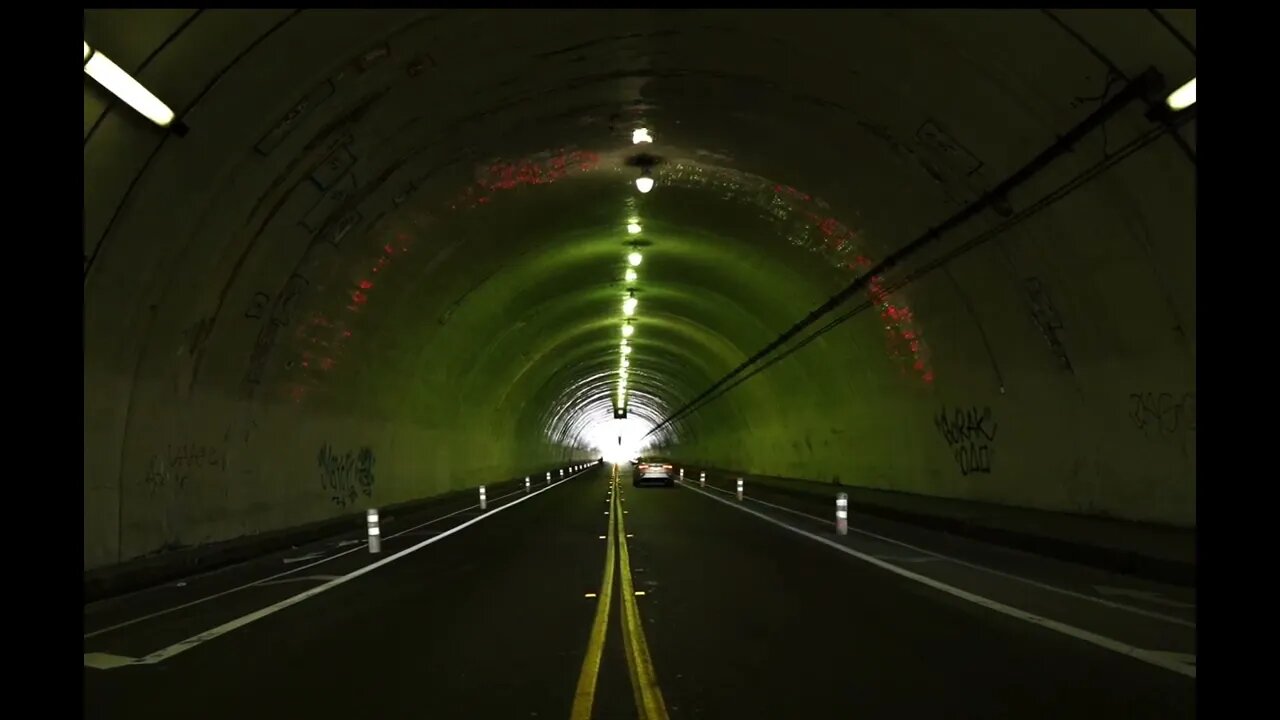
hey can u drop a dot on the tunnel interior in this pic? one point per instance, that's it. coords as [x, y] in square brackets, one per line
[389, 258]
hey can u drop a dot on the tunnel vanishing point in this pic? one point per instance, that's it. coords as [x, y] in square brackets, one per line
[371, 257]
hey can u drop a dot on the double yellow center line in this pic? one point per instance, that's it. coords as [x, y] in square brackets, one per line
[644, 681]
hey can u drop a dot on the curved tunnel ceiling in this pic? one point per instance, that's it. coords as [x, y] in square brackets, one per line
[407, 232]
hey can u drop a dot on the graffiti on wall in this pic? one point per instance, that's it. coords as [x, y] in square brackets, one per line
[970, 432]
[304, 105]
[346, 477]
[1047, 319]
[1163, 414]
[278, 312]
[177, 465]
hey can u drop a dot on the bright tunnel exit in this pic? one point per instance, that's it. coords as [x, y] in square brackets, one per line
[619, 440]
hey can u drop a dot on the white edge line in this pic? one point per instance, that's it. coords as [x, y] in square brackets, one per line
[1156, 658]
[270, 578]
[1044, 586]
[302, 578]
[106, 661]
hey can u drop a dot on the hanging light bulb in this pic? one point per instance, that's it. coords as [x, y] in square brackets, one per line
[631, 275]
[635, 259]
[628, 330]
[633, 228]
[644, 183]
[629, 306]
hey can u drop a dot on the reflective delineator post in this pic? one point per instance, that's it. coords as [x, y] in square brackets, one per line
[681, 474]
[842, 514]
[375, 535]
[484, 502]
[548, 478]
[526, 483]
[702, 478]
[562, 473]
[739, 488]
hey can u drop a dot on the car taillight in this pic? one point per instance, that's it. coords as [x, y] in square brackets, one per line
[666, 467]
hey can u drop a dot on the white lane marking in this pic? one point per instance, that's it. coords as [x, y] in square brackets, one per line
[269, 578]
[300, 578]
[348, 543]
[304, 558]
[1147, 595]
[1153, 657]
[180, 647]
[1187, 658]
[1043, 586]
[893, 558]
[106, 661]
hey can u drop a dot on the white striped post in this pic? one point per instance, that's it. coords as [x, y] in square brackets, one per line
[842, 514]
[484, 502]
[702, 478]
[526, 483]
[375, 534]
[739, 489]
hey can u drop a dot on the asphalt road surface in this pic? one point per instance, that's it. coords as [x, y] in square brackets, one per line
[716, 608]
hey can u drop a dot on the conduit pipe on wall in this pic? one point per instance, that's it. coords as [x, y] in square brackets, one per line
[1140, 87]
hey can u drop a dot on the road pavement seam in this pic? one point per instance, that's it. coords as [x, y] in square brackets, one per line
[1153, 657]
[1018, 578]
[181, 647]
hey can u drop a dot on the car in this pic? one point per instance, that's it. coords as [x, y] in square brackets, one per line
[649, 471]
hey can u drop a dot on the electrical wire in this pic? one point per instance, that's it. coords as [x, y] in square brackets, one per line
[1132, 91]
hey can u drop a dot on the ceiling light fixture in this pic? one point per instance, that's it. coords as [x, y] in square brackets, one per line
[1184, 97]
[641, 135]
[124, 86]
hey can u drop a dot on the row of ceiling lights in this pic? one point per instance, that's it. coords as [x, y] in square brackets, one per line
[644, 184]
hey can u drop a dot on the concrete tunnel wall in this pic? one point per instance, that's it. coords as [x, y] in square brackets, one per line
[386, 262]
